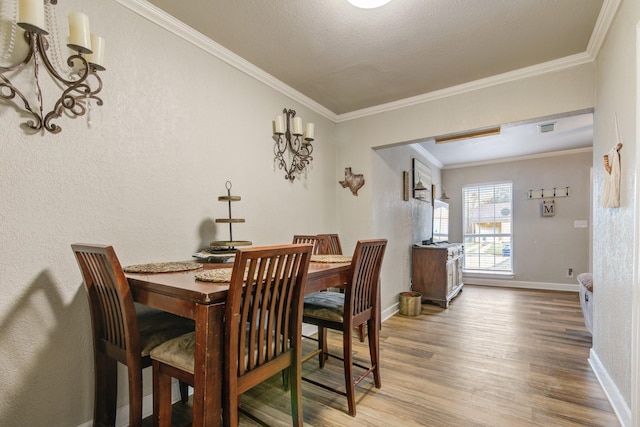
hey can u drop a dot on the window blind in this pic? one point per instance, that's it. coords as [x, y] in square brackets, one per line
[487, 225]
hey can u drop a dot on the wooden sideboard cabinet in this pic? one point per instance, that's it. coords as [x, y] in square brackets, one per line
[436, 271]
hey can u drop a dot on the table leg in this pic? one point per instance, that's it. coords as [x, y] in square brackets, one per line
[207, 390]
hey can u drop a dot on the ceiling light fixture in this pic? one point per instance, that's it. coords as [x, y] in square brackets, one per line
[368, 4]
[467, 135]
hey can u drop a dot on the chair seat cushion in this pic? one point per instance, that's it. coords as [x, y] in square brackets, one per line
[324, 305]
[586, 298]
[158, 326]
[178, 352]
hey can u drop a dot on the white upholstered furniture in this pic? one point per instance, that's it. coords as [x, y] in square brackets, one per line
[586, 298]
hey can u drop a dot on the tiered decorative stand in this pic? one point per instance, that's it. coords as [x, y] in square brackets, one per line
[228, 246]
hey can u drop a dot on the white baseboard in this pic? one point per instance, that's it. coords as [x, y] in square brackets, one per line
[308, 330]
[388, 312]
[620, 407]
[122, 413]
[507, 283]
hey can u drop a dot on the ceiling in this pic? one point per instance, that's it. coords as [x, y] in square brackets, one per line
[566, 132]
[348, 59]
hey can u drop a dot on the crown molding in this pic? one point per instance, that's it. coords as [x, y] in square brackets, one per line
[603, 22]
[605, 18]
[511, 76]
[173, 25]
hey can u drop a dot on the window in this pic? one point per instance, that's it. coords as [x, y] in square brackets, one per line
[487, 227]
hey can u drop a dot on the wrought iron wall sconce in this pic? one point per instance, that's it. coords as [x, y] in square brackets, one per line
[88, 59]
[292, 140]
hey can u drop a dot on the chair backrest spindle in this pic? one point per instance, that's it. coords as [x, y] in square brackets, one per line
[320, 242]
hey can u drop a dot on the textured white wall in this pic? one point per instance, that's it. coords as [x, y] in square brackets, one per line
[403, 223]
[176, 124]
[613, 239]
[543, 248]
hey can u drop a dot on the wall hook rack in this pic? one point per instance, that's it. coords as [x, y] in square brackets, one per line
[545, 193]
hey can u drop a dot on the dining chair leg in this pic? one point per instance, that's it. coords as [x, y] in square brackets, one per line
[295, 373]
[161, 397]
[322, 345]
[348, 372]
[286, 379]
[230, 403]
[106, 389]
[361, 332]
[374, 351]
[135, 396]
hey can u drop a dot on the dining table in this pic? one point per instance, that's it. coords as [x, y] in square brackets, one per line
[181, 294]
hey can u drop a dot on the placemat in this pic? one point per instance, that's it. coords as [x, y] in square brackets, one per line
[330, 258]
[218, 275]
[162, 267]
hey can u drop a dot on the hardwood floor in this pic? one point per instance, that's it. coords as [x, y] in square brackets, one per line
[496, 357]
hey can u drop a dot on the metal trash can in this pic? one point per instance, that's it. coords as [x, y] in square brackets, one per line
[410, 303]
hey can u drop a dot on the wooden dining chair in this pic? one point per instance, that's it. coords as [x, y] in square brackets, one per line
[334, 247]
[262, 332]
[120, 332]
[320, 242]
[344, 311]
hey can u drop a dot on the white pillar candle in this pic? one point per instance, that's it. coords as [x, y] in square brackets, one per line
[308, 133]
[278, 125]
[297, 126]
[79, 34]
[97, 57]
[31, 15]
